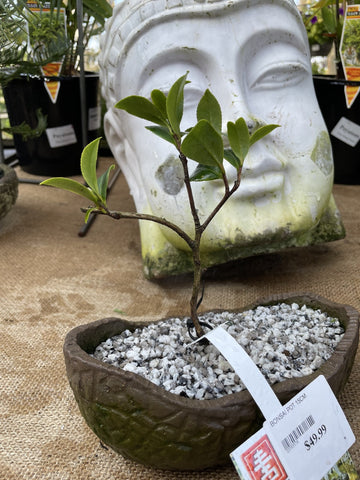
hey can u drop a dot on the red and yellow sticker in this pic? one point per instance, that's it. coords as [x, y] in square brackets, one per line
[261, 461]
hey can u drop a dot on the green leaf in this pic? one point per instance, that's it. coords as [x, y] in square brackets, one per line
[162, 132]
[329, 19]
[103, 182]
[100, 9]
[175, 103]
[88, 164]
[141, 107]
[322, 3]
[24, 128]
[204, 145]
[88, 213]
[239, 138]
[159, 100]
[72, 186]
[262, 132]
[209, 109]
[230, 156]
[204, 173]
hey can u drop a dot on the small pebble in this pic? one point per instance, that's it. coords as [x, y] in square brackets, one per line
[285, 341]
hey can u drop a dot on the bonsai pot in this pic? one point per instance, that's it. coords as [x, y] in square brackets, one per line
[149, 425]
[57, 151]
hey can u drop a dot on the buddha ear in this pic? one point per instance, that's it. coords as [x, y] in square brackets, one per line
[113, 133]
[124, 155]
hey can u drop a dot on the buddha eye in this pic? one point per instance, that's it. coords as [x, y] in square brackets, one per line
[279, 75]
[192, 97]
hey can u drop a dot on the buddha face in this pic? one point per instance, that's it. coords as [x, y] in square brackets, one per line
[255, 60]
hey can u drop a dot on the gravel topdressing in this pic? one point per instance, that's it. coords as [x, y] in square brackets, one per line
[285, 341]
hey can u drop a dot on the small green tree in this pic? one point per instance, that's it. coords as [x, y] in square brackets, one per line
[202, 143]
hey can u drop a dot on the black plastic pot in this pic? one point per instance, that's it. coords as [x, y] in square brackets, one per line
[57, 151]
[320, 50]
[332, 102]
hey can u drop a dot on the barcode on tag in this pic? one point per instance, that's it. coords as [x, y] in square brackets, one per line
[291, 440]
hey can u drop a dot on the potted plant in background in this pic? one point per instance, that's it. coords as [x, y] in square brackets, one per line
[324, 22]
[40, 68]
[8, 178]
[138, 417]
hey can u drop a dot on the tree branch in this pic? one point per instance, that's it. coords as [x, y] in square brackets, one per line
[143, 216]
[225, 198]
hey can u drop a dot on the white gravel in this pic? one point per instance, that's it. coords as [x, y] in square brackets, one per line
[285, 341]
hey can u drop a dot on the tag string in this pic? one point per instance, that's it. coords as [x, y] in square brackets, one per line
[249, 373]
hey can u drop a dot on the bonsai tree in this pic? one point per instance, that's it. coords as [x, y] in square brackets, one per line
[53, 31]
[202, 143]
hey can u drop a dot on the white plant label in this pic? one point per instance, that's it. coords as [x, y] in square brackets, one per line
[94, 118]
[61, 136]
[347, 131]
[302, 439]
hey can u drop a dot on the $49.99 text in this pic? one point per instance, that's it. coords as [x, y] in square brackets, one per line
[315, 437]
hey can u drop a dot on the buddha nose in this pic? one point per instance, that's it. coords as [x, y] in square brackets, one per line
[237, 108]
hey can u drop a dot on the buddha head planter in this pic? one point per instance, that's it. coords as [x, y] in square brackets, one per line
[254, 57]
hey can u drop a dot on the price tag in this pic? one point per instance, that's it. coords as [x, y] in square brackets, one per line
[310, 433]
[302, 439]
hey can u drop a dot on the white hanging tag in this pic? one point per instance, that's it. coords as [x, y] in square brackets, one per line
[249, 373]
[302, 439]
[313, 434]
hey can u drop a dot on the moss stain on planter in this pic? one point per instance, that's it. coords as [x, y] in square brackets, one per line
[162, 259]
[322, 155]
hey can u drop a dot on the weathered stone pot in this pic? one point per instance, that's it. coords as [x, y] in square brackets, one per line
[8, 189]
[143, 422]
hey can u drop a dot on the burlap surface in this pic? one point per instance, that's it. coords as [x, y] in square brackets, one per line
[53, 280]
